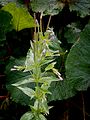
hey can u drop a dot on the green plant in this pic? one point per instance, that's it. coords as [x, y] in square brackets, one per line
[39, 55]
[36, 74]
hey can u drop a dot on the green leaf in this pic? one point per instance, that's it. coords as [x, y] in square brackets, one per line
[18, 77]
[36, 104]
[27, 116]
[4, 2]
[21, 17]
[55, 45]
[14, 62]
[72, 33]
[46, 61]
[61, 90]
[18, 96]
[23, 82]
[49, 79]
[47, 83]
[78, 62]
[46, 6]
[82, 6]
[44, 106]
[28, 91]
[41, 106]
[39, 117]
[5, 25]
[29, 60]
[42, 117]
[77, 70]
[50, 66]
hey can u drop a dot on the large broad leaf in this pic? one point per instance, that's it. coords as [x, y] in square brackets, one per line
[18, 2]
[46, 6]
[78, 62]
[21, 17]
[60, 90]
[5, 25]
[82, 6]
[4, 2]
[77, 70]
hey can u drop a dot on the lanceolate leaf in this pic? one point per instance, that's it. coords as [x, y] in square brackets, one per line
[49, 79]
[29, 60]
[41, 117]
[78, 62]
[21, 17]
[50, 66]
[27, 116]
[24, 81]
[28, 91]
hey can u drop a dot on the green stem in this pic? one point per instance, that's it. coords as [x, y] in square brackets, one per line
[37, 68]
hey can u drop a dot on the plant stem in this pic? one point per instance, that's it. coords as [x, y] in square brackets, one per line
[41, 22]
[48, 22]
[83, 106]
[66, 115]
[37, 68]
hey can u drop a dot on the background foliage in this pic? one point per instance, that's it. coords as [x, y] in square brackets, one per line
[76, 70]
